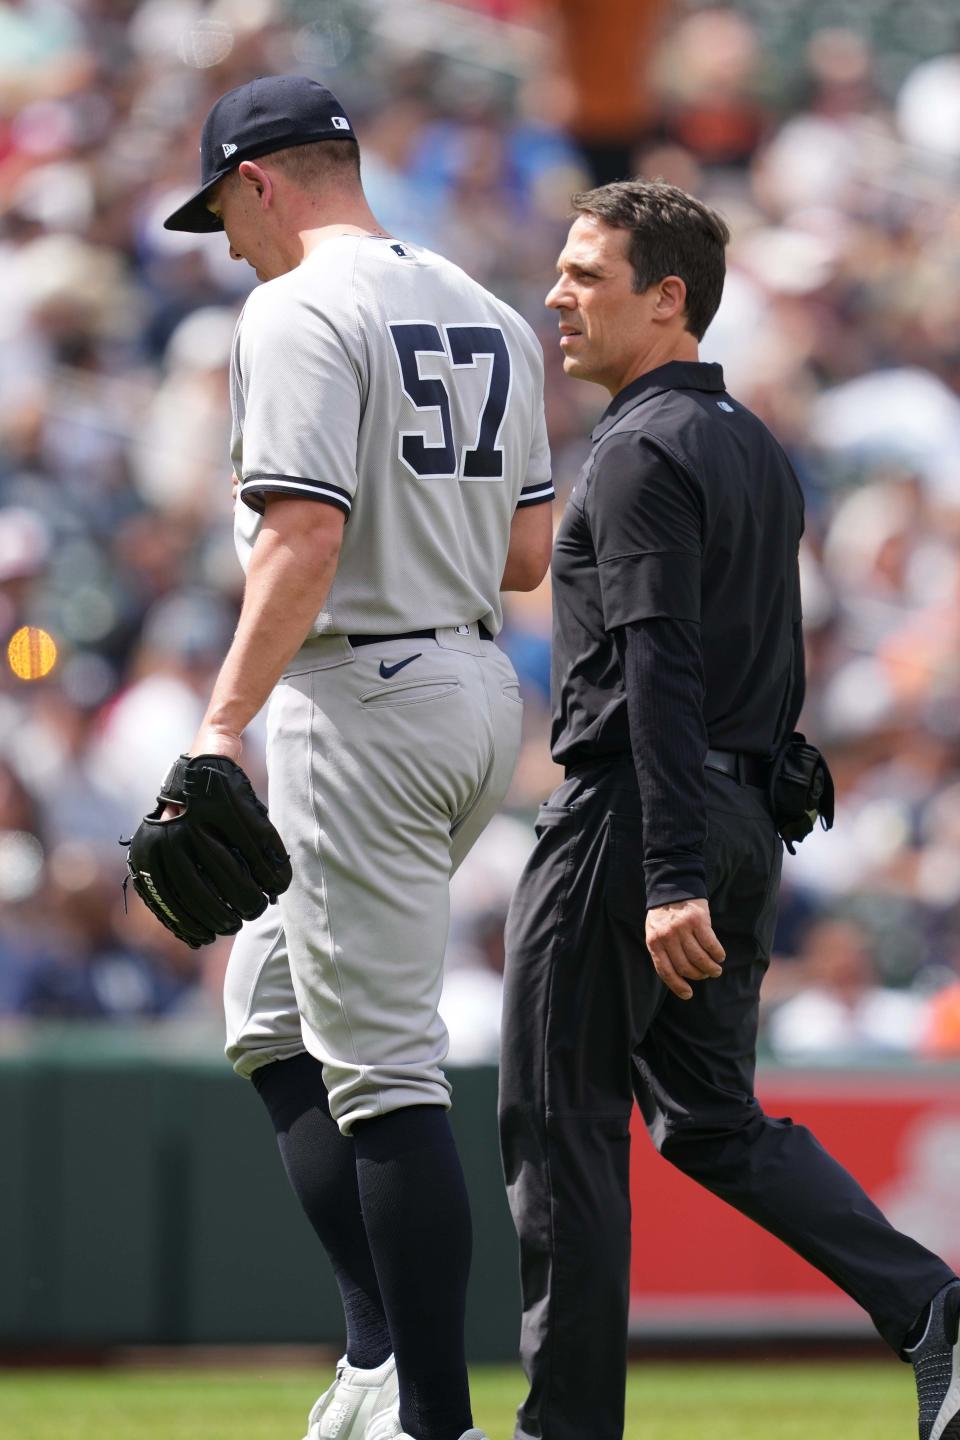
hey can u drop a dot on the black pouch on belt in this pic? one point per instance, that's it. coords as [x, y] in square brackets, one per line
[801, 790]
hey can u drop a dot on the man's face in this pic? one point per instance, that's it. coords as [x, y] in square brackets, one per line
[605, 326]
[235, 202]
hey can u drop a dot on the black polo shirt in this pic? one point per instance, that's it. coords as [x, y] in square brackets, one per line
[687, 510]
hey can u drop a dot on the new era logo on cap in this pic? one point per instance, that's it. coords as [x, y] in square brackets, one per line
[229, 150]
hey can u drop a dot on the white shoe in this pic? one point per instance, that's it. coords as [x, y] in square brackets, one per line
[354, 1399]
[387, 1427]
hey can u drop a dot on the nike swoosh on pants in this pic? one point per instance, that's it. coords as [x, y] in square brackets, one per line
[387, 670]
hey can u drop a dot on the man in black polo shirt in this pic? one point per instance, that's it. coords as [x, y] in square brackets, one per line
[642, 926]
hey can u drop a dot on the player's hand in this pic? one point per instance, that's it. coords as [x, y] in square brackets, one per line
[683, 946]
[209, 741]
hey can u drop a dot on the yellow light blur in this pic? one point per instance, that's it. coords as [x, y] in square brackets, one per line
[32, 653]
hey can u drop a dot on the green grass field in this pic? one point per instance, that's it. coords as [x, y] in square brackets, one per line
[732, 1401]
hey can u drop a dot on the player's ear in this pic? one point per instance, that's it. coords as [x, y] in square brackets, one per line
[258, 179]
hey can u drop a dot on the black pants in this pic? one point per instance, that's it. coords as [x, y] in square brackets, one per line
[587, 1029]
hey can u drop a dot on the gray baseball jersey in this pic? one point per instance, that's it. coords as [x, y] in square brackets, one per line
[379, 377]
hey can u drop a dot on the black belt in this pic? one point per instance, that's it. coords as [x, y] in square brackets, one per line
[430, 634]
[745, 769]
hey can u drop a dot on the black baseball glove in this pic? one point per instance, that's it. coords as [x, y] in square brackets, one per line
[217, 864]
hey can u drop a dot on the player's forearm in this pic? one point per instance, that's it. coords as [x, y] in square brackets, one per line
[522, 572]
[287, 583]
[528, 555]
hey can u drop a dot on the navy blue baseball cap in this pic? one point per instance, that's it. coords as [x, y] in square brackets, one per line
[270, 113]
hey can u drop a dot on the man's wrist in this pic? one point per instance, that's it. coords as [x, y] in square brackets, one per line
[217, 739]
[668, 884]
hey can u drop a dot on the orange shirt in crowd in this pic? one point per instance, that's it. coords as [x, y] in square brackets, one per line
[942, 1032]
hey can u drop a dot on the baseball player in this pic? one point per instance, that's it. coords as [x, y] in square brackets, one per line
[391, 457]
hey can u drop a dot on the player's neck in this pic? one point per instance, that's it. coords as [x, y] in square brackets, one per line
[307, 218]
[347, 214]
[290, 251]
[316, 235]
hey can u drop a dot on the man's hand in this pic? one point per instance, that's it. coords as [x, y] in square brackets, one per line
[217, 740]
[683, 946]
[210, 740]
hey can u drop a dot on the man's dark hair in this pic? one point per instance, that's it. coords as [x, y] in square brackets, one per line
[671, 233]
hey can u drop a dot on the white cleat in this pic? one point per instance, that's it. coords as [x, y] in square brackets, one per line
[387, 1427]
[355, 1399]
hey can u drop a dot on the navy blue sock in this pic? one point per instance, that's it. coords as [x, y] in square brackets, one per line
[321, 1167]
[418, 1222]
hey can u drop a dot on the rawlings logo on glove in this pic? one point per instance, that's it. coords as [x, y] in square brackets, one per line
[218, 863]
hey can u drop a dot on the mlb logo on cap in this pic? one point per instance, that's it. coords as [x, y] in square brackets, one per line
[270, 113]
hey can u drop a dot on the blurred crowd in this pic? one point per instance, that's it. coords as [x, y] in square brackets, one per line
[829, 137]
